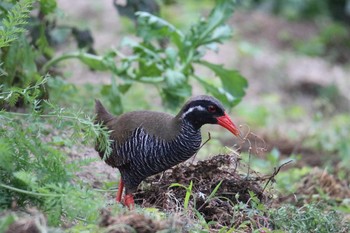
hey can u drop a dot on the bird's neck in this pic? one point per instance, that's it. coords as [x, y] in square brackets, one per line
[185, 144]
[187, 119]
[190, 126]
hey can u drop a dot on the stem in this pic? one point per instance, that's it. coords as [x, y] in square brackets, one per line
[105, 190]
[29, 192]
[55, 60]
[27, 114]
[45, 115]
[189, 58]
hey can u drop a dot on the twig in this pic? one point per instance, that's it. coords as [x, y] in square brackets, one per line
[209, 137]
[263, 148]
[275, 172]
[249, 157]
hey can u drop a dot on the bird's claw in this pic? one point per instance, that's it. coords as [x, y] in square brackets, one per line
[129, 201]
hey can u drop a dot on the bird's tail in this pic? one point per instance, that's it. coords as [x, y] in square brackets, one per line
[102, 115]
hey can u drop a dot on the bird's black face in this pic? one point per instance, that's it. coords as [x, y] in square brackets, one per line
[202, 112]
[207, 110]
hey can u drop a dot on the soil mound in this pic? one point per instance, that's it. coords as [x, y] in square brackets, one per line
[131, 222]
[219, 173]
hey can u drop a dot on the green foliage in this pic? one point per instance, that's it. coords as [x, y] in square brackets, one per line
[166, 57]
[295, 9]
[188, 192]
[26, 44]
[308, 218]
[36, 172]
[332, 41]
[14, 22]
[246, 216]
[29, 94]
[334, 137]
[18, 57]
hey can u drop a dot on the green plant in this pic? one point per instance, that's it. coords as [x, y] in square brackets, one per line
[205, 224]
[308, 218]
[170, 67]
[27, 42]
[36, 172]
[17, 56]
[332, 136]
[331, 41]
[295, 9]
[14, 22]
[188, 192]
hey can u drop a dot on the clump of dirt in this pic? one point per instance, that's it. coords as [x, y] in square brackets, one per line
[24, 226]
[206, 176]
[31, 221]
[130, 222]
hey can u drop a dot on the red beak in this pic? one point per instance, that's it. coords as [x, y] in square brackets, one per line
[226, 122]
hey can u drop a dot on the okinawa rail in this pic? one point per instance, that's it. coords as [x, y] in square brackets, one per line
[145, 143]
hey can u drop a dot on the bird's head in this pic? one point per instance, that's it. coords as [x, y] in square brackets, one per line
[205, 109]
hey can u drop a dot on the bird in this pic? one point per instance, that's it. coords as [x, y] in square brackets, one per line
[145, 143]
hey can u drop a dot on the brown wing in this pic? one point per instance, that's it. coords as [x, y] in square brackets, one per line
[157, 124]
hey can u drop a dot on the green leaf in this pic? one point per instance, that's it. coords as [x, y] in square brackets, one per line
[174, 78]
[28, 59]
[212, 194]
[177, 185]
[150, 64]
[211, 30]
[220, 34]
[123, 88]
[217, 92]
[171, 57]
[14, 22]
[48, 6]
[188, 195]
[153, 80]
[233, 84]
[222, 11]
[6, 158]
[151, 26]
[172, 98]
[100, 63]
[184, 91]
[26, 178]
[149, 69]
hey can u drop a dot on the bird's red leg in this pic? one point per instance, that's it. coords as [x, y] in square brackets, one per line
[120, 191]
[129, 201]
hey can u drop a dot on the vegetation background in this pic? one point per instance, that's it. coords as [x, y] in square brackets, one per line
[281, 67]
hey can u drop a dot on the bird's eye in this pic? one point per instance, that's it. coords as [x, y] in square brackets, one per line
[211, 108]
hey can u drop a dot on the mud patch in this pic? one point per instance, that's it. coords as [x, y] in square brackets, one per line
[218, 173]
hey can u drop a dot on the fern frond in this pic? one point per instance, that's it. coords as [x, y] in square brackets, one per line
[14, 23]
[30, 93]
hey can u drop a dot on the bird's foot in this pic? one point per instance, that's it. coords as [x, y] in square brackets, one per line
[129, 201]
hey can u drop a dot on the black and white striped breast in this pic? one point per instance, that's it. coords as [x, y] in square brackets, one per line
[148, 155]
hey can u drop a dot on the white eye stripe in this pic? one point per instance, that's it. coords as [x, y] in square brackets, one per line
[200, 108]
